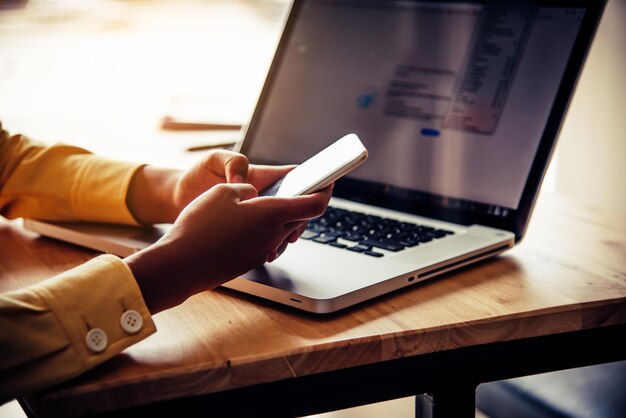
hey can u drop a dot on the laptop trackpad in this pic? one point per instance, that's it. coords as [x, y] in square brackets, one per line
[271, 275]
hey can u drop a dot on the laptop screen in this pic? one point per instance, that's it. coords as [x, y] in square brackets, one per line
[452, 99]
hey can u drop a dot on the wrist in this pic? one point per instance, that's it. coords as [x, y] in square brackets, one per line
[152, 272]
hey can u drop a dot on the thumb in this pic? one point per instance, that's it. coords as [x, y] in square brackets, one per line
[230, 165]
[235, 167]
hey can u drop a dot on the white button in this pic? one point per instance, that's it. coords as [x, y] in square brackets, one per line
[96, 340]
[131, 321]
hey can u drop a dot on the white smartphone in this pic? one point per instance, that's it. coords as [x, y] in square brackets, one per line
[322, 169]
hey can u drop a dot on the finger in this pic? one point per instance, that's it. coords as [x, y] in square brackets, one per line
[293, 237]
[277, 253]
[303, 207]
[293, 231]
[263, 176]
[272, 256]
[239, 191]
[229, 164]
[294, 228]
[281, 249]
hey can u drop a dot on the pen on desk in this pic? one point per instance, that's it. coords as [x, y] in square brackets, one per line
[171, 124]
[225, 144]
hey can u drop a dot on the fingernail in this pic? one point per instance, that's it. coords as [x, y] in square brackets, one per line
[237, 178]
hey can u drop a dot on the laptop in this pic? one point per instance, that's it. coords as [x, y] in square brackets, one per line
[459, 104]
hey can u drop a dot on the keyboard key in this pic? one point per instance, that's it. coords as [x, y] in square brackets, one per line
[409, 243]
[385, 245]
[335, 233]
[309, 234]
[373, 253]
[317, 228]
[354, 237]
[325, 239]
[360, 248]
[337, 244]
[438, 234]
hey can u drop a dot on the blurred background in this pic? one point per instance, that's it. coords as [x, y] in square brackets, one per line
[103, 73]
[591, 154]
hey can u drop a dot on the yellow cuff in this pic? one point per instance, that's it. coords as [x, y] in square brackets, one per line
[100, 307]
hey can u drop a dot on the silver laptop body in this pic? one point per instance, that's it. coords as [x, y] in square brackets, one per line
[459, 105]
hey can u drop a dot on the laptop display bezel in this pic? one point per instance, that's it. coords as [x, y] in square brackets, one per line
[440, 207]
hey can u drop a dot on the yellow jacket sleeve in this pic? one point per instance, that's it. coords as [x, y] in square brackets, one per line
[66, 325]
[61, 182]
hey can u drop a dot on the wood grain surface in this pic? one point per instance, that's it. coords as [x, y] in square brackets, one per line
[568, 274]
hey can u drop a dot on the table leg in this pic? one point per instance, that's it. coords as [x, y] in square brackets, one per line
[457, 402]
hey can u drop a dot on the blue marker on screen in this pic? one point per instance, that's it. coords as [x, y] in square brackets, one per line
[430, 132]
[365, 100]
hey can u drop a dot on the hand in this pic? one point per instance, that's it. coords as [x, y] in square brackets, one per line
[222, 166]
[220, 235]
[158, 195]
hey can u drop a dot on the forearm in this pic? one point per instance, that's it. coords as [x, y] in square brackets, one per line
[150, 195]
[61, 182]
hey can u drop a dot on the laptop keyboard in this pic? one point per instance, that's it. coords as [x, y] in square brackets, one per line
[368, 234]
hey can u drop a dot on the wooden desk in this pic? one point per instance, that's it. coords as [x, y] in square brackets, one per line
[556, 301]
